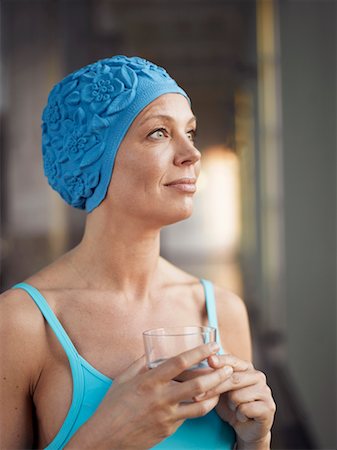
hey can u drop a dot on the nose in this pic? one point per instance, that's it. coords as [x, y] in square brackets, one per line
[186, 153]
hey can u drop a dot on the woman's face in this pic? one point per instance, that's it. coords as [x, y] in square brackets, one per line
[157, 164]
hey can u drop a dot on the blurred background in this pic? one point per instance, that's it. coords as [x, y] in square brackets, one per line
[262, 78]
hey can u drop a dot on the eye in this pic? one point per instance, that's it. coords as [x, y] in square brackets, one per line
[160, 133]
[192, 135]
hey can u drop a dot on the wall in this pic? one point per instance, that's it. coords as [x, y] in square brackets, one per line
[308, 70]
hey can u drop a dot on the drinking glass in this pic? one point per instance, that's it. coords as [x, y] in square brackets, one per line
[164, 343]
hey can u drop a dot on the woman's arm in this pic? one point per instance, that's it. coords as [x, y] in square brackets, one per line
[19, 358]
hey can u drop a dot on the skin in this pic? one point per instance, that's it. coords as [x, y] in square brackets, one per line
[116, 269]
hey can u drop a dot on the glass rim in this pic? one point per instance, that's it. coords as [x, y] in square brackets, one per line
[179, 331]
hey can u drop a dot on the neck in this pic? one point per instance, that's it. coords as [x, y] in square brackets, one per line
[119, 254]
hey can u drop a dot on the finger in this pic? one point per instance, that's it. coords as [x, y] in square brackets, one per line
[137, 367]
[259, 411]
[238, 380]
[249, 394]
[174, 366]
[200, 385]
[190, 374]
[245, 395]
[216, 361]
[191, 410]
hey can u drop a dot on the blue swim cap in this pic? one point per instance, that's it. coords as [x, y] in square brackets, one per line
[86, 118]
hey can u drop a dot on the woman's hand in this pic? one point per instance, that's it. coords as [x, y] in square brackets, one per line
[145, 406]
[246, 402]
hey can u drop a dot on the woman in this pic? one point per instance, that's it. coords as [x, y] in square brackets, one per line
[84, 384]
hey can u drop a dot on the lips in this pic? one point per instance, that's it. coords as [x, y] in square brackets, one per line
[186, 184]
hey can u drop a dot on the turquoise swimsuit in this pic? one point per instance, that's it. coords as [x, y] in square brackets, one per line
[90, 386]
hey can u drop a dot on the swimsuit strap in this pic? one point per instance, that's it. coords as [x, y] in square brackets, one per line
[74, 361]
[50, 317]
[211, 309]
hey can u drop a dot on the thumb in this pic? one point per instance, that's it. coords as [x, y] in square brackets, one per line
[137, 367]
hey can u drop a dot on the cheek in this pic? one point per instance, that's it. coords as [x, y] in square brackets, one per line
[149, 168]
[153, 171]
[139, 176]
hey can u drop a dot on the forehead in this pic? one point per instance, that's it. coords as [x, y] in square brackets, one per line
[173, 106]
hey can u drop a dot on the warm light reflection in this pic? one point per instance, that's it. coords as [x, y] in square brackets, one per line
[220, 198]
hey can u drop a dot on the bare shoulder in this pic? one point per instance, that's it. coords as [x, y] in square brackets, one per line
[230, 306]
[17, 305]
[22, 332]
[233, 323]
[21, 350]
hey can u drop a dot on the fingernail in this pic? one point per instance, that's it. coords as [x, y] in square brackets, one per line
[214, 346]
[215, 360]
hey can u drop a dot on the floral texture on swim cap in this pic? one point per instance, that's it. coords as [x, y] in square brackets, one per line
[86, 118]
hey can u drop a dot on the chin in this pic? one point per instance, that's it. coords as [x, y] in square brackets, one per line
[175, 215]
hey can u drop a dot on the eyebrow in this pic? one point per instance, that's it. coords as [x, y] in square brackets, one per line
[163, 117]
